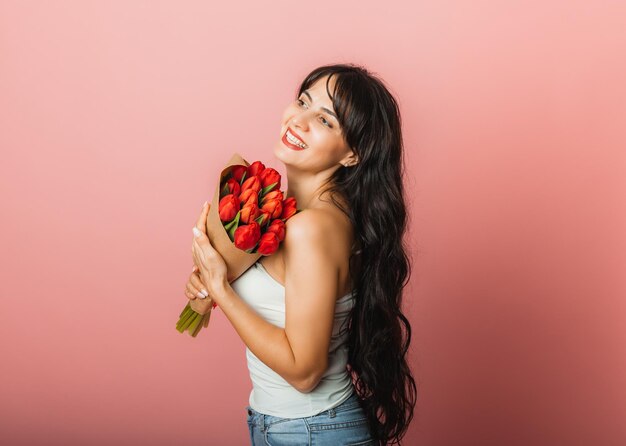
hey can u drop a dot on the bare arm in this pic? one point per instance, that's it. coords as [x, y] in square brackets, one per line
[299, 352]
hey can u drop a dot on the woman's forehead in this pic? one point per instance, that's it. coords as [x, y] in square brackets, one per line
[331, 82]
[318, 88]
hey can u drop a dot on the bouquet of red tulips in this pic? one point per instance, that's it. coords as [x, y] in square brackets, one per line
[246, 220]
[253, 208]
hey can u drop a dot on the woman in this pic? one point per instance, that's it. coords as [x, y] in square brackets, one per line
[326, 339]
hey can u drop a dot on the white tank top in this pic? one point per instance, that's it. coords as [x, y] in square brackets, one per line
[271, 394]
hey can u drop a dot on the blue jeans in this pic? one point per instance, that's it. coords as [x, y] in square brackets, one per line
[344, 425]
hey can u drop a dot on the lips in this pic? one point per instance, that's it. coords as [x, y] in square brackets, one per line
[289, 144]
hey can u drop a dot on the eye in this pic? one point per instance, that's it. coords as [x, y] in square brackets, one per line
[300, 102]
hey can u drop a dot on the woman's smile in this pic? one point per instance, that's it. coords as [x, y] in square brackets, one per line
[293, 141]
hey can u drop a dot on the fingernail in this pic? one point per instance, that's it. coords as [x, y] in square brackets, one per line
[205, 203]
[200, 295]
[205, 292]
[193, 270]
[196, 232]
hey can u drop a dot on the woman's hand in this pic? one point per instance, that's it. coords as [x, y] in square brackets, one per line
[196, 292]
[211, 265]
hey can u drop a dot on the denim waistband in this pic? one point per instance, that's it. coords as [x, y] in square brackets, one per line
[350, 403]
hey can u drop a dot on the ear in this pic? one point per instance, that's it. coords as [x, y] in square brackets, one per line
[350, 160]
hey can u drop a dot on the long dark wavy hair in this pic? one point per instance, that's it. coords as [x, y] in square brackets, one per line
[379, 333]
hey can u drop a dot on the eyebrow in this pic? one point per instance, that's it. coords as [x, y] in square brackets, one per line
[323, 108]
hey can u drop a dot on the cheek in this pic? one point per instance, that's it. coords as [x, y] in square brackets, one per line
[326, 142]
[288, 113]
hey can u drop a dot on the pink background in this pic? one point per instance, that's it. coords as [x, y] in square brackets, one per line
[116, 116]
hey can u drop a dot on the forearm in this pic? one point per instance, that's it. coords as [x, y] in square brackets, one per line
[268, 342]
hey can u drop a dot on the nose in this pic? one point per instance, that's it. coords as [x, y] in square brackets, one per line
[300, 120]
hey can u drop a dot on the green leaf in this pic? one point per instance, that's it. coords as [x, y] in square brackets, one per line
[225, 191]
[234, 221]
[232, 229]
[266, 190]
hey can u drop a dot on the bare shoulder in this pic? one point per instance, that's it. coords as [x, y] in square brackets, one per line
[320, 235]
[315, 225]
[312, 235]
[308, 223]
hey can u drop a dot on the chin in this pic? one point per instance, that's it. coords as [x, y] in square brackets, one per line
[279, 151]
[283, 154]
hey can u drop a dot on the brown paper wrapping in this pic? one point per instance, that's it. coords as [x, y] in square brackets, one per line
[237, 261]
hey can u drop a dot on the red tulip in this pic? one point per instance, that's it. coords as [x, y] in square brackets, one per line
[268, 244]
[237, 172]
[228, 207]
[277, 227]
[232, 187]
[289, 208]
[247, 236]
[255, 168]
[263, 217]
[249, 196]
[274, 207]
[249, 212]
[270, 176]
[253, 183]
[273, 195]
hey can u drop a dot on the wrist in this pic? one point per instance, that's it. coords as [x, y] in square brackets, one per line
[219, 290]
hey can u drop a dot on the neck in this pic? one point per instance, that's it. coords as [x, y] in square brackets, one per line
[306, 188]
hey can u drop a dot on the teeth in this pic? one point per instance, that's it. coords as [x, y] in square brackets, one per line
[292, 139]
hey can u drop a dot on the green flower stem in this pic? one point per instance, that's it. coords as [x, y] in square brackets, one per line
[200, 325]
[184, 321]
[185, 309]
[183, 318]
[181, 326]
[194, 323]
[190, 318]
[191, 321]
